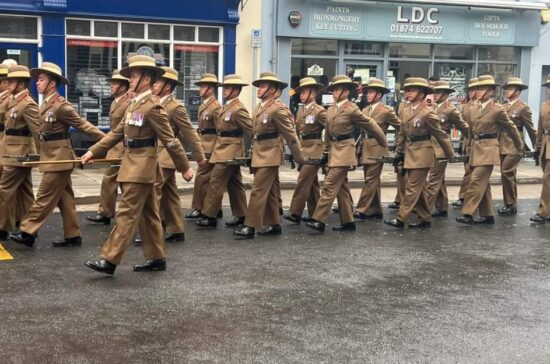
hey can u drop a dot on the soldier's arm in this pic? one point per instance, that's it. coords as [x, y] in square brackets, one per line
[457, 121]
[504, 121]
[110, 140]
[285, 126]
[400, 142]
[30, 116]
[243, 120]
[391, 118]
[188, 133]
[364, 122]
[434, 125]
[322, 117]
[69, 115]
[540, 135]
[161, 126]
[526, 117]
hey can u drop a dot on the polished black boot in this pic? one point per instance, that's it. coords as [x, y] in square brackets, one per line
[3, 234]
[373, 216]
[485, 220]
[236, 221]
[466, 219]
[207, 222]
[24, 238]
[420, 225]
[74, 241]
[538, 219]
[174, 237]
[151, 265]
[395, 222]
[195, 214]
[394, 205]
[102, 266]
[99, 219]
[307, 219]
[245, 231]
[137, 241]
[508, 210]
[316, 225]
[270, 230]
[439, 213]
[458, 203]
[346, 226]
[293, 218]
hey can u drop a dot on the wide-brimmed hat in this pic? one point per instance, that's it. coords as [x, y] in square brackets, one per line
[51, 69]
[547, 83]
[171, 74]
[233, 80]
[309, 82]
[116, 76]
[3, 71]
[376, 84]
[515, 82]
[443, 86]
[270, 77]
[208, 79]
[485, 80]
[342, 81]
[418, 82]
[472, 82]
[141, 62]
[19, 72]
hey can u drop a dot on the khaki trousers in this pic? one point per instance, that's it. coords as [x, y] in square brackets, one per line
[508, 172]
[139, 206]
[465, 180]
[307, 191]
[335, 186]
[478, 194]
[108, 194]
[225, 177]
[15, 195]
[544, 205]
[170, 203]
[202, 180]
[436, 189]
[415, 196]
[370, 200]
[401, 182]
[263, 206]
[55, 191]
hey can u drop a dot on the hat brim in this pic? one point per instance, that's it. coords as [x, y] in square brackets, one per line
[447, 90]
[341, 84]
[318, 86]
[35, 72]
[521, 86]
[427, 89]
[378, 88]
[126, 71]
[116, 80]
[281, 84]
[242, 84]
[215, 84]
[177, 82]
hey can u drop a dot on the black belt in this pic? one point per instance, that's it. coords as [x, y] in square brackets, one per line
[418, 138]
[230, 133]
[48, 137]
[266, 136]
[1, 128]
[140, 143]
[207, 131]
[341, 137]
[23, 132]
[485, 136]
[309, 136]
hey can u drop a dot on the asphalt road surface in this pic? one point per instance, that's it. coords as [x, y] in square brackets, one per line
[452, 294]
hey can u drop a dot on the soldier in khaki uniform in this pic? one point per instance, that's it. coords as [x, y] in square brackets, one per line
[56, 116]
[450, 117]
[5, 97]
[21, 124]
[233, 121]
[310, 122]
[488, 120]
[542, 151]
[270, 125]
[466, 111]
[401, 179]
[109, 186]
[145, 122]
[520, 114]
[414, 145]
[369, 205]
[208, 115]
[342, 118]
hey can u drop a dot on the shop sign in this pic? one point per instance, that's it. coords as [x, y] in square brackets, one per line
[295, 18]
[315, 70]
[336, 20]
[256, 38]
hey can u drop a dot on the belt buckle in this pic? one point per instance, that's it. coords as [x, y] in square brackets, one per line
[41, 137]
[334, 138]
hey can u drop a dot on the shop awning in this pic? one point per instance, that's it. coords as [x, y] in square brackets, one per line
[498, 4]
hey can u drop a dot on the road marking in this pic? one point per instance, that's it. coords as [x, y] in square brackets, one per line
[4, 254]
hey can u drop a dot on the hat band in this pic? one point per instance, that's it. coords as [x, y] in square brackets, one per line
[170, 76]
[210, 80]
[50, 70]
[416, 85]
[19, 74]
[142, 64]
[269, 78]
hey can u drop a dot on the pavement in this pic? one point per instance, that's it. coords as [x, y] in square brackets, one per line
[87, 182]
[452, 294]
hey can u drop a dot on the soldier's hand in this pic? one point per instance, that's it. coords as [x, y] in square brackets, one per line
[188, 175]
[202, 163]
[87, 158]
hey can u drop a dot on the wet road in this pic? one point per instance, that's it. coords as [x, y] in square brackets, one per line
[452, 294]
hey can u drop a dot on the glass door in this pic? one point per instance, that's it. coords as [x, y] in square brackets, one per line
[360, 72]
[24, 54]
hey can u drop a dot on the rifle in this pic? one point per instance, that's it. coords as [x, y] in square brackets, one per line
[533, 154]
[191, 157]
[396, 161]
[24, 158]
[74, 161]
[456, 159]
[290, 158]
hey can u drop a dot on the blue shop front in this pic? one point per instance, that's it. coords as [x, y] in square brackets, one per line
[89, 39]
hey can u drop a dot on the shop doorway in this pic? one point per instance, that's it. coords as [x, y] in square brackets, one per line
[360, 73]
[24, 54]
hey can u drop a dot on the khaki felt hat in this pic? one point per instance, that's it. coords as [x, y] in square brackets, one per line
[3, 71]
[341, 80]
[270, 77]
[308, 82]
[376, 84]
[417, 82]
[19, 72]
[116, 76]
[516, 82]
[51, 69]
[233, 80]
[171, 74]
[141, 62]
[485, 80]
[208, 79]
[443, 86]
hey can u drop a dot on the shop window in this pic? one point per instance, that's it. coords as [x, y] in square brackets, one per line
[79, 27]
[89, 64]
[105, 29]
[458, 52]
[191, 61]
[403, 69]
[183, 33]
[133, 30]
[319, 47]
[321, 69]
[156, 31]
[501, 54]
[21, 56]
[211, 35]
[364, 49]
[457, 74]
[19, 27]
[160, 52]
[409, 50]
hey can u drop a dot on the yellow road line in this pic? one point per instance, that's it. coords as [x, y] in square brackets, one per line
[4, 254]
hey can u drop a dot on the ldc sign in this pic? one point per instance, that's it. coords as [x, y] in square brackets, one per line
[418, 15]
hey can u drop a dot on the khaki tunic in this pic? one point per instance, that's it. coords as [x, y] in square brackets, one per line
[522, 117]
[384, 117]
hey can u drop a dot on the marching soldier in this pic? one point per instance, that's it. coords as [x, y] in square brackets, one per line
[233, 121]
[401, 179]
[208, 114]
[465, 144]
[145, 122]
[270, 122]
[369, 205]
[450, 117]
[119, 86]
[21, 125]
[342, 117]
[414, 145]
[5, 97]
[310, 122]
[488, 120]
[56, 116]
[520, 114]
[542, 151]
